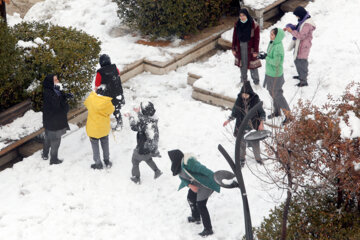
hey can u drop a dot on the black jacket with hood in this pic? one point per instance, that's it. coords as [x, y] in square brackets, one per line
[242, 106]
[55, 107]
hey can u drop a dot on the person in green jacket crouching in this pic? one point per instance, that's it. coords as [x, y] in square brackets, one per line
[201, 185]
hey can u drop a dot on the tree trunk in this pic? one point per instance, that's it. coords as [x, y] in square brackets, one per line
[3, 10]
[286, 206]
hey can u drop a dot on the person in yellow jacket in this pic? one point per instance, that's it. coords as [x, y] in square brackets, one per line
[98, 127]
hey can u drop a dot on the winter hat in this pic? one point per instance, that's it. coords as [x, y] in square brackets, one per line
[300, 12]
[104, 60]
[147, 108]
[176, 157]
[49, 81]
[246, 88]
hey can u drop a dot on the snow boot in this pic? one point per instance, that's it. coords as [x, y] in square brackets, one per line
[135, 179]
[55, 161]
[97, 166]
[302, 84]
[191, 219]
[242, 163]
[44, 157]
[157, 174]
[260, 161]
[108, 163]
[206, 232]
[274, 114]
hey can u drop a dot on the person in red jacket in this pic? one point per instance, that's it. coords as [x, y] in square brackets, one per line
[108, 83]
[245, 45]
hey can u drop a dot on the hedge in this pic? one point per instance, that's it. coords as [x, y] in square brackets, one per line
[164, 18]
[12, 70]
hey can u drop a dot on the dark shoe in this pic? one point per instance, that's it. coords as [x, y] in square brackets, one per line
[260, 161]
[274, 114]
[286, 121]
[256, 82]
[242, 163]
[191, 219]
[97, 166]
[108, 163]
[135, 179]
[206, 232]
[302, 84]
[44, 157]
[157, 174]
[55, 161]
[295, 77]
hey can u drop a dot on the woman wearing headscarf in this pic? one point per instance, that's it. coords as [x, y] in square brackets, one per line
[201, 183]
[245, 101]
[245, 45]
[274, 74]
[302, 36]
[55, 108]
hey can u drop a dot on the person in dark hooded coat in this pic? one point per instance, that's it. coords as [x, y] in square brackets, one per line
[201, 183]
[245, 45]
[108, 83]
[246, 100]
[55, 108]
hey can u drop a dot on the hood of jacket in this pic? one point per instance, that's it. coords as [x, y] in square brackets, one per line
[49, 81]
[279, 36]
[99, 110]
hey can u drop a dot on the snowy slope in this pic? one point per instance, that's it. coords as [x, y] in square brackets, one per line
[71, 201]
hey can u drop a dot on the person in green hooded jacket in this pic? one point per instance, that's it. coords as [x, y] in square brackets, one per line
[201, 183]
[274, 75]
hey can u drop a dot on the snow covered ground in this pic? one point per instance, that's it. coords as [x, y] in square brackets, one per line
[71, 201]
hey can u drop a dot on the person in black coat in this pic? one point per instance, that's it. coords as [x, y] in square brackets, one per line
[246, 100]
[55, 108]
[108, 83]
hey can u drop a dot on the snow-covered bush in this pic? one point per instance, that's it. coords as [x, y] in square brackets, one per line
[12, 71]
[163, 18]
[313, 215]
[69, 53]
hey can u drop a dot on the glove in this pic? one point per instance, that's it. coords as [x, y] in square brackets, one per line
[262, 55]
[69, 95]
[57, 87]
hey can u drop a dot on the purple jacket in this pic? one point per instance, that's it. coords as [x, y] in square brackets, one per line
[302, 44]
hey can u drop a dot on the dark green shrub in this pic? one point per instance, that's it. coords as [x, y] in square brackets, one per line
[69, 53]
[12, 71]
[164, 18]
[313, 215]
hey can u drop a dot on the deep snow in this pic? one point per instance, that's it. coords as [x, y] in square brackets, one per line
[71, 201]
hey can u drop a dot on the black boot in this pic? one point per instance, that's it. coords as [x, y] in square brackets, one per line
[55, 161]
[302, 84]
[135, 179]
[274, 114]
[295, 77]
[206, 232]
[97, 166]
[108, 163]
[191, 219]
[157, 173]
[44, 157]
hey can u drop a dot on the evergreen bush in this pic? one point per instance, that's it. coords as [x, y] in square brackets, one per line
[314, 215]
[163, 18]
[69, 53]
[12, 71]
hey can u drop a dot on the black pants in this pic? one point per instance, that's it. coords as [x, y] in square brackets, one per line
[199, 209]
[117, 114]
